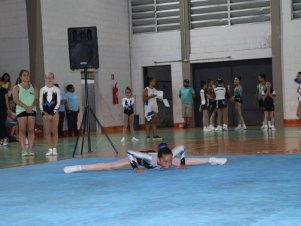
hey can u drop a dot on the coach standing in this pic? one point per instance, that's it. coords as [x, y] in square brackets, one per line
[187, 94]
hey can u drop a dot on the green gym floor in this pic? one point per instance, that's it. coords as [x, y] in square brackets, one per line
[252, 141]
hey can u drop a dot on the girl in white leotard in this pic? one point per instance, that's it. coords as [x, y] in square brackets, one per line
[164, 158]
[50, 100]
[151, 110]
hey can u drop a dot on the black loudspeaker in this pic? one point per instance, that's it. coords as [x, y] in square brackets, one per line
[83, 47]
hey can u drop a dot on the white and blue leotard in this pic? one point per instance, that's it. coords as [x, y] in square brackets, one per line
[50, 99]
[148, 159]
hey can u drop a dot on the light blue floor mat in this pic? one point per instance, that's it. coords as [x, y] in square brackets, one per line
[249, 190]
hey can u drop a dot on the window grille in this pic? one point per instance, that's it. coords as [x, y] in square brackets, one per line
[155, 15]
[296, 9]
[207, 13]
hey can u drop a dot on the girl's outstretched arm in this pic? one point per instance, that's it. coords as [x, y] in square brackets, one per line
[200, 161]
[182, 162]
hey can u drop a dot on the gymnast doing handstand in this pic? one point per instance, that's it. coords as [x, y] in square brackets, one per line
[164, 158]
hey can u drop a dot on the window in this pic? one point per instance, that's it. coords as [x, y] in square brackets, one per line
[155, 15]
[207, 13]
[296, 9]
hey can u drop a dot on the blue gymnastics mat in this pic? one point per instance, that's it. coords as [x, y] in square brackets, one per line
[249, 190]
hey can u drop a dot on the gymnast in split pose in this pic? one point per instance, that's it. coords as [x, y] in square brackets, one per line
[164, 158]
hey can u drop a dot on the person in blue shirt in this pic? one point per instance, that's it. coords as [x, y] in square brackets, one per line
[72, 109]
[187, 94]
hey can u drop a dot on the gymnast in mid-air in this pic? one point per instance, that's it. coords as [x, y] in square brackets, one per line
[164, 158]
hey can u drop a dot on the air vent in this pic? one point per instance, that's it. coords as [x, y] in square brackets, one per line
[296, 7]
[208, 13]
[155, 15]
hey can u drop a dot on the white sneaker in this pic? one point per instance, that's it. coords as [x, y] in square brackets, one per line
[262, 127]
[49, 152]
[244, 127]
[30, 152]
[211, 127]
[217, 161]
[54, 152]
[219, 128]
[206, 129]
[122, 139]
[134, 139]
[5, 142]
[72, 169]
[273, 128]
[238, 127]
[157, 138]
[225, 127]
[266, 128]
[25, 153]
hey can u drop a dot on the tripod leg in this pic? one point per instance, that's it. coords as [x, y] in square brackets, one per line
[98, 122]
[80, 128]
[88, 125]
[84, 131]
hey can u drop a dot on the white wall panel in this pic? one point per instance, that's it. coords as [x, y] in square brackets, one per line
[13, 37]
[111, 19]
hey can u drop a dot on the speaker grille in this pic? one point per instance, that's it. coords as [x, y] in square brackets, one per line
[83, 47]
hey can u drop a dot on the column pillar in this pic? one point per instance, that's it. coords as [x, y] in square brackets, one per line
[277, 60]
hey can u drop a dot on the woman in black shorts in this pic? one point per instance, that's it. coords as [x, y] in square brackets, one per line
[26, 98]
[237, 99]
[269, 95]
[259, 89]
[204, 107]
[221, 96]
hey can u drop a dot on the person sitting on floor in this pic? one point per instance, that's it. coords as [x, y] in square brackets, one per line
[164, 158]
[11, 121]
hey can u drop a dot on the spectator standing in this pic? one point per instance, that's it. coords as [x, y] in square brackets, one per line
[298, 81]
[5, 82]
[4, 111]
[204, 106]
[50, 100]
[269, 95]
[26, 98]
[187, 94]
[259, 90]
[62, 110]
[72, 110]
[11, 122]
[128, 114]
[221, 96]
[151, 109]
[238, 101]
[212, 103]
